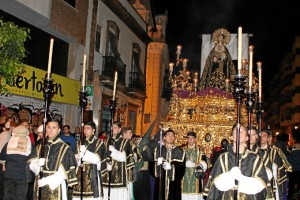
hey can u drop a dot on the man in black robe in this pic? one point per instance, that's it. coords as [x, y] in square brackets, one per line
[169, 168]
[92, 153]
[59, 166]
[248, 180]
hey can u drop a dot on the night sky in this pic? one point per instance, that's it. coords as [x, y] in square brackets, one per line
[274, 26]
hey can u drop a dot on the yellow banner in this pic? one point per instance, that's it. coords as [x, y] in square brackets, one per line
[31, 84]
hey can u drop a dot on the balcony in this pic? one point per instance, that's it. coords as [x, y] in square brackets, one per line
[137, 84]
[110, 64]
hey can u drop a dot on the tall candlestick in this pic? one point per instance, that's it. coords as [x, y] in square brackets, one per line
[50, 58]
[83, 71]
[115, 85]
[171, 66]
[251, 47]
[184, 63]
[259, 69]
[240, 34]
[179, 49]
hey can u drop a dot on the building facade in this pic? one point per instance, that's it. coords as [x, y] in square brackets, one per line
[115, 36]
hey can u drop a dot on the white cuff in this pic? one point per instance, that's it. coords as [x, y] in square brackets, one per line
[189, 164]
[34, 166]
[250, 185]
[119, 156]
[203, 164]
[224, 182]
[269, 173]
[274, 169]
[56, 179]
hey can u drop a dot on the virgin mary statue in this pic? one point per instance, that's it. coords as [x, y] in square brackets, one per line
[219, 69]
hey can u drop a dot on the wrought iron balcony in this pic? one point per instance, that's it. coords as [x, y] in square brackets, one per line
[111, 63]
[137, 82]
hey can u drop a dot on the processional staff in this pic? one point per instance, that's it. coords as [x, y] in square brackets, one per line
[112, 108]
[259, 104]
[250, 94]
[48, 94]
[82, 104]
[239, 95]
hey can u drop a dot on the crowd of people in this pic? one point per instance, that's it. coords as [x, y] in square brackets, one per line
[127, 166]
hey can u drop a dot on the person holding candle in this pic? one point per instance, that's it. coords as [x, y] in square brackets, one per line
[92, 152]
[59, 166]
[119, 160]
[219, 65]
[249, 178]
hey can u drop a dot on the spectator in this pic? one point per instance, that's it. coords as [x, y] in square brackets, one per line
[77, 133]
[67, 137]
[224, 144]
[294, 157]
[103, 136]
[16, 156]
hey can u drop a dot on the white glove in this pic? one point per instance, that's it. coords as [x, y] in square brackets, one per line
[35, 165]
[236, 173]
[81, 154]
[189, 164]
[91, 158]
[166, 166]
[112, 148]
[53, 180]
[250, 185]
[160, 160]
[224, 182]
[42, 182]
[82, 148]
[109, 167]
[41, 162]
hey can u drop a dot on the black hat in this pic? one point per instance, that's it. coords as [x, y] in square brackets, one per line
[191, 134]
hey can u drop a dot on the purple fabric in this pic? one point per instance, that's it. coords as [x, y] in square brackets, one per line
[206, 92]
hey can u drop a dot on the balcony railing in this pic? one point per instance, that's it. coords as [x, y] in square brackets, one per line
[137, 81]
[111, 63]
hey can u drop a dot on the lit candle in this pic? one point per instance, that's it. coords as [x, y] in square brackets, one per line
[179, 49]
[244, 64]
[195, 82]
[239, 49]
[50, 58]
[184, 63]
[115, 85]
[226, 84]
[259, 69]
[250, 65]
[83, 71]
[171, 66]
[196, 75]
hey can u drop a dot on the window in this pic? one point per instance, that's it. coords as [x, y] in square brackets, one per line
[113, 39]
[132, 119]
[98, 38]
[106, 119]
[71, 2]
[136, 51]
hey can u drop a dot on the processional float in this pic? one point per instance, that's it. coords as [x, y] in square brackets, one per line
[211, 112]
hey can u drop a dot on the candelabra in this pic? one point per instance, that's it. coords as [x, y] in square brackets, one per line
[182, 81]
